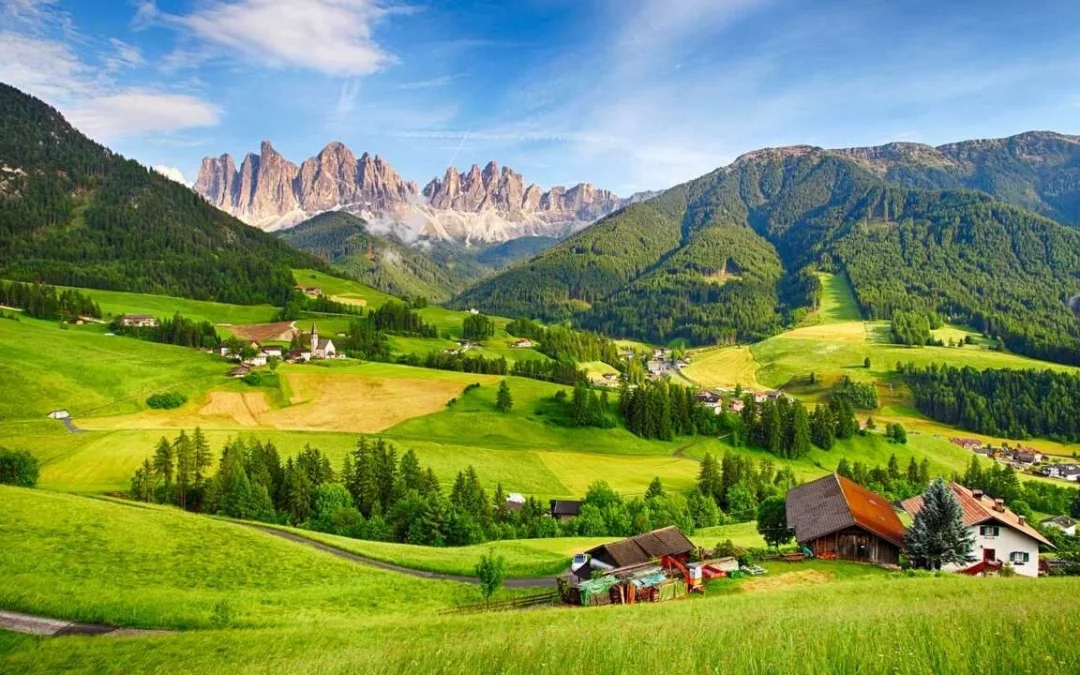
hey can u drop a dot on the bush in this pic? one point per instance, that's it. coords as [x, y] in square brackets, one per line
[252, 379]
[166, 401]
[18, 467]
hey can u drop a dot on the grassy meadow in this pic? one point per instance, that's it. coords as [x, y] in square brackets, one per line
[115, 303]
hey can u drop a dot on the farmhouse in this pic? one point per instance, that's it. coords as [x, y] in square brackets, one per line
[838, 519]
[563, 509]
[707, 398]
[258, 360]
[1069, 472]
[1000, 535]
[272, 351]
[138, 321]
[523, 343]
[667, 542]
[298, 356]
[1063, 523]
[515, 501]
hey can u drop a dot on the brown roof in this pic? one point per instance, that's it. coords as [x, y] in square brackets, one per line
[643, 548]
[832, 503]
[565, 507]
[978, 510]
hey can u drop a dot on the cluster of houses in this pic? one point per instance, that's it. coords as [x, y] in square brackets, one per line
[835, 518]
[711, 399]
[1021, 458]
[315, 347]
[313, 291]
[663, 364]
[462, 347]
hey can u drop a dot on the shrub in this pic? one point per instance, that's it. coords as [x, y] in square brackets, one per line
[252, 379]
[18, 467]
[166, 401]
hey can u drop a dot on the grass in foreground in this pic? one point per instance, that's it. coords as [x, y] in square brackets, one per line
[101, 561]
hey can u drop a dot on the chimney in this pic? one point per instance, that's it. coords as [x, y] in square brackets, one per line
[1022, 519]
[977, 494]
[999, 505]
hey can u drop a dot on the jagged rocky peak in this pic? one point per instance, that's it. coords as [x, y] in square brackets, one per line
[492, 203]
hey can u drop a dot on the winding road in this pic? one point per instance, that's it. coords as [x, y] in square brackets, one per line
[39, 625]
[541, 582]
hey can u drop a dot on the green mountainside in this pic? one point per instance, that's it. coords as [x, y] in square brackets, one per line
[344, 241]
[74, 213]
[434, 270]
[1038, 170]
[728, 257]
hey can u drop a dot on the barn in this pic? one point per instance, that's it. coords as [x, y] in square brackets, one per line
[837, 518]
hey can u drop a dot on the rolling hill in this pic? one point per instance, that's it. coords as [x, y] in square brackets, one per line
[74, 213]
[728, 257]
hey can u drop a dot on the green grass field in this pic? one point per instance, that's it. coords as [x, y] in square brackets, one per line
[89, 373]
[115, 303]
[243, 601]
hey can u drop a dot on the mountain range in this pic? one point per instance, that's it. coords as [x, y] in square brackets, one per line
[982, 232]
[486, 205]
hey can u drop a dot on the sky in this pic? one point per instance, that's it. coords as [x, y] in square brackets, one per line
[627, 94]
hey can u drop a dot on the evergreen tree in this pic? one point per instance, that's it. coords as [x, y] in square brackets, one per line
[503, 400]
[164, 464]
[800, 432]
[938, 536]
[655, 489]
[184, 451]
[204, 458]
[710, 480]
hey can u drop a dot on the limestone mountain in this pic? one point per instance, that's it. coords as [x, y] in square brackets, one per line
[73, 212]
[729, 256]
[478, 205]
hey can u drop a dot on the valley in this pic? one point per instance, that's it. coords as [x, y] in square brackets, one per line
[217, 431]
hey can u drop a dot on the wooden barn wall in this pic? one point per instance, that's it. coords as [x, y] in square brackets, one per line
[846, 545]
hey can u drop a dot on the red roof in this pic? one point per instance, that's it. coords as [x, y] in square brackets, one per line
[833, 503]
[978, 510]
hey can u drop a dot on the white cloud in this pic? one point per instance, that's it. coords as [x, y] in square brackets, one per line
[172, 173]
[125, 56]
[42, 54]
[136, 113]
[328, 36]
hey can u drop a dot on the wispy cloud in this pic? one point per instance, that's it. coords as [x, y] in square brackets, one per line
[431, 83]
[38, 55]
[328, 36]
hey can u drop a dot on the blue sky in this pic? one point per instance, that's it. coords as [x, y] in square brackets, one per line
[629, 95]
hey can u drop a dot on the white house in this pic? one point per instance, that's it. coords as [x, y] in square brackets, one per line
[1063, 523]
[59, 414]
[138, 320]
[257, 360]
[1069, 472]
[1001, 536]
[272, 351]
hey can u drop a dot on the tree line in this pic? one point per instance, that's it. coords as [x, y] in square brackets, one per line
[178, 330]
[1023, 498]
[889, 480]
[41, 301]
[566, 344]
[1013, 403]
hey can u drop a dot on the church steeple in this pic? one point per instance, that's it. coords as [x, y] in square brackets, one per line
[314, 338]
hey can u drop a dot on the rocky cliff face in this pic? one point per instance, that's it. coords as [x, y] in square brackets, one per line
[489, 204]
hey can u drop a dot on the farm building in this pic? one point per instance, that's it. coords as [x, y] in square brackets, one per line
[59, 415]
[564, 509]
[1000, 535]
[668, 542]
[650, 567]
[837, 518]
[239, 371]
[138, 320]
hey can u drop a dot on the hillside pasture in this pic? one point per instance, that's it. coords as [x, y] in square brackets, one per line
[93, 560]
[115, 303]
[90, 373]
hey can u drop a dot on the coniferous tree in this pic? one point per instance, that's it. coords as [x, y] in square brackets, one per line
[938, 535]
[164, 464]
[504, 401]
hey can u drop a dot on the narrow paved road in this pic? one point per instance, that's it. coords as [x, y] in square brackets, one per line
[70, 424]
[39, 625]
[543, 582]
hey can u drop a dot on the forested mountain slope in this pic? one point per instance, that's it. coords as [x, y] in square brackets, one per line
[1038, 170]
[344, 241]
[72, 212]
[729, 256]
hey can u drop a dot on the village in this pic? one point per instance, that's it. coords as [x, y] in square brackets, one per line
[830, 519]
[1021, 458]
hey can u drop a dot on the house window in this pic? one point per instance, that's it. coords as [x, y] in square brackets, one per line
[989, 530]
[1019, 557]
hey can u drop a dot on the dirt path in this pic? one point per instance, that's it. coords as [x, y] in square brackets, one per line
[70, 424]
[39, 625]
[542, 582]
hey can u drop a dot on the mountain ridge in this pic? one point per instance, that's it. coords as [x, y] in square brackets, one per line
[487, 205]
